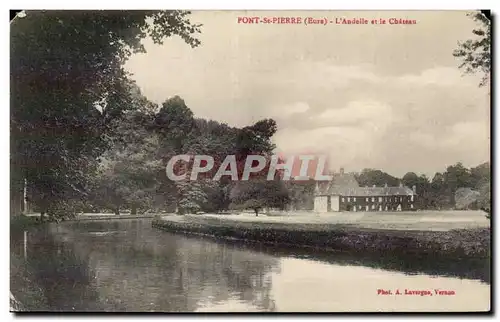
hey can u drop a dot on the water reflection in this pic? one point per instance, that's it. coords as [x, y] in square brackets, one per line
[129, 266]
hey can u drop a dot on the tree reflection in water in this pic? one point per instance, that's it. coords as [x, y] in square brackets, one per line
[130, 266]
[126, 265]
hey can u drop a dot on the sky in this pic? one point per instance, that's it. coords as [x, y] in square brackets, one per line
[389, 97]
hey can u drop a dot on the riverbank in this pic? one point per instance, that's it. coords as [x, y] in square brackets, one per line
[96, 216]
[410, 220]
[85, 217]
[455, 243]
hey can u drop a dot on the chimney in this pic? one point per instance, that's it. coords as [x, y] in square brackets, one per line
[341, 170]
[414, 188]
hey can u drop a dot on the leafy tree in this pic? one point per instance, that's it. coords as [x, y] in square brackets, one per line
[456, 176]
[440, 198]
[480, 175]
[481, 178]
[256, 139]
[476, 58]
[67, 85]
[257, 194]
[174, 122]
[371, 177]
[410, 179]
[466, 198]
[476, 53]
[425, 197]
[301, 193]
[218, 196]
[191, 196]
[484, 202]
[128, 171]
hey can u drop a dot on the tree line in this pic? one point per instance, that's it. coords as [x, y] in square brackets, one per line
[68, 88]
[83, 137]
[440, 191]
[131, 173]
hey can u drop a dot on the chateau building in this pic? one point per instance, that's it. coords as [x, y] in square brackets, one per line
[343, 193]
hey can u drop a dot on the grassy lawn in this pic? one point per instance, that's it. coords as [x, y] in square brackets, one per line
[463, 236]
[421, 220]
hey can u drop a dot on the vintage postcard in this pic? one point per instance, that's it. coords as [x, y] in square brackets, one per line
[250, 161]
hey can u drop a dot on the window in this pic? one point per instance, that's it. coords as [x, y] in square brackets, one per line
[367, 199]
[373, 199]
[354, 199]
[343, 199]
[373, 206]
[411, 206]
[379, 199]
[411, 198]
[349, 199]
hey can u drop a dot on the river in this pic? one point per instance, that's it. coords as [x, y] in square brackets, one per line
[126, 265]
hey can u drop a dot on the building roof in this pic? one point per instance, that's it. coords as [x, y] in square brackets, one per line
[345, 184]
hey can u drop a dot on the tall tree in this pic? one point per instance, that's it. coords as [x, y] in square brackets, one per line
[258, 194]
[410, 179]
[301, 193]
[67, 83]
[481, 178]
[174, 123]
[476, 53]
[128, 172]
[371, 177]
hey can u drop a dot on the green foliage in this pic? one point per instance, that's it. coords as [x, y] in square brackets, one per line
[82, 134]
[257, 194]
[256, 139]
[484, 201]
[441, 192]
[128, 172]
[301, 194]
[476, 53]
[174, 122]
[67, 85]
[191, 196]
[132, 172]
[438, 193]
[371, 177]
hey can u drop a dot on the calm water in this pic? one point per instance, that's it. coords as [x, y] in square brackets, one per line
[126, 265]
